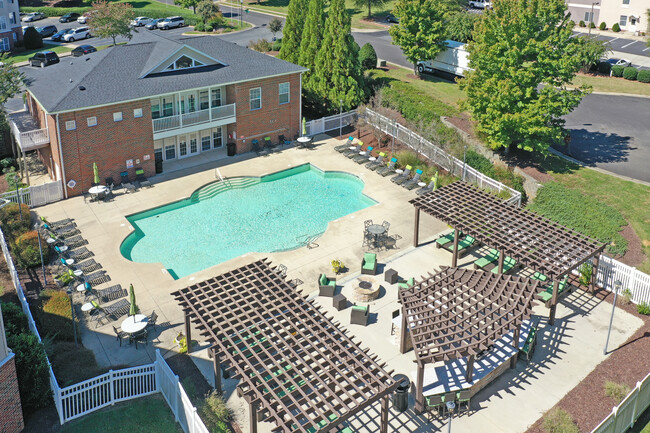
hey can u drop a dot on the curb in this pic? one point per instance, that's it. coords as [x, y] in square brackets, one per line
[632, 95]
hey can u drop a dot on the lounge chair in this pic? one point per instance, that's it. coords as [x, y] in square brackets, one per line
[402, 177]
[326, 286]
[426, 189]
[547, 294]
[139, 177]
[112, 312]
[97, 278]
[387, 169]
[407, 284]
[89, 265]
[508, 264]
[414, 180]
[464, 244]
[78, 254]
[60, 223]
[353, 152]
[491, 257]
[528, 350]
[379, 162]
[341, 148]
[539, 277]
[73, 242]
[445, 239]
[359, 315]
[126, 184]
[65, 231]
[360, 159]
[109, 294]
[369, 264]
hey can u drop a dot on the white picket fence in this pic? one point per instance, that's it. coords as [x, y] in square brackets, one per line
[638, 283]
[37, 195]
[330, 123]
[115, 386]
[628, 411]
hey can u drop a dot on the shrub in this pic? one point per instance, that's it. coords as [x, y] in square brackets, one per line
[586, 271]
[408, 157]
[199, 27]
[604, 67]
[643, 76]
[368, 57]
[32, 39]
[216, 22]
[626, 297]
[559, 421]
[14, 319]
[592, 25]
[479, 162]
[617, 391]
[55, 316]
[602, 26]
[582, 24]
[643, 308]
[261, 45]
[214, 413]
[66, 359]
[32, 371]
[6, 163]
[10, 220]
[208, 28]
[616, 28]
[27, 251]
[630, 73]
[277, 45]
[617, 71]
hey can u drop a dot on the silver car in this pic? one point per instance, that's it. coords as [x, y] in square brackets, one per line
[140, 21]
[171, 22]
[33, 16]
[77, 34]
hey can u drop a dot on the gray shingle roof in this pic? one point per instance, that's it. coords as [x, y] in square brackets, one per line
[113, 75]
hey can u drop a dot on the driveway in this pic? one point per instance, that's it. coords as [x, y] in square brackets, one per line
[611, 132]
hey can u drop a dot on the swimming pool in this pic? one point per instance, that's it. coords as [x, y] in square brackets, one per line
[267, 214]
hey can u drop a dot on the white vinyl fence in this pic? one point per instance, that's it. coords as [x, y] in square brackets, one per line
[628, 411]
[37, 195]
[638, 283]
[115, 386]
[330, 123]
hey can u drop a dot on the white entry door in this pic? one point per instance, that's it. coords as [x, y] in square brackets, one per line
[182, 146]
[193, 144]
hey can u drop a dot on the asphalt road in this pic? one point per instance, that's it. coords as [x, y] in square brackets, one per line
[626, 45]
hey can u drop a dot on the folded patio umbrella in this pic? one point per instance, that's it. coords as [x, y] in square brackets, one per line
[96, 173]
[435, 181]
[134, 308]
[304, 127]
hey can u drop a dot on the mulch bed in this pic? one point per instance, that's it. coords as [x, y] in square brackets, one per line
[634, 255]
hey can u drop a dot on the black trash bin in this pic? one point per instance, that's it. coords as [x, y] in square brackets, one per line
[232, 149]
[401, 395]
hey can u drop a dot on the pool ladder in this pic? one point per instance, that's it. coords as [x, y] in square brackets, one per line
[218, 175]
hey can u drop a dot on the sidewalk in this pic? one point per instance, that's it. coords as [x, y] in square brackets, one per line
[620, 35]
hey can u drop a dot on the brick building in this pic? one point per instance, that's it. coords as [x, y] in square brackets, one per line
[154, 99]
[11, 413]
[10, 28]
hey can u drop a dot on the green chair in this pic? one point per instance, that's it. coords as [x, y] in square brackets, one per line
[406, 285]
[463, 397]
[359, 315]
[529, 346]
[326, 286]
[141, 179]
[547, 294]
[433, 402]
[369, 264]
[490, 257]
[445, 239]
[539, 277]
[508, 264]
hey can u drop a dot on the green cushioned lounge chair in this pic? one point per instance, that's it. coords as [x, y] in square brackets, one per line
[508, 264]
[490, 257]
[539, 276]
[407, 284]
[359, 315]
[445, 239]
[326, 286]
[369, 264]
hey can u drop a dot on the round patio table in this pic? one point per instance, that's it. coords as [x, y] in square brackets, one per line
[422, 184]
[353, 147]
[78, 273]
[87, 307]
[304, 140]
[51, 241]
[81, 287]
[376, 230]
[362, 153]
[372, 158]
[98, 189]
[134, 324]
[399, 171]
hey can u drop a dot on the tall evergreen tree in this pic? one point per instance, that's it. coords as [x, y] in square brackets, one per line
[293, 29]
[312, 38]
[338, 78]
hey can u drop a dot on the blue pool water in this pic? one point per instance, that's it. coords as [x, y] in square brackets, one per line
[271, 214]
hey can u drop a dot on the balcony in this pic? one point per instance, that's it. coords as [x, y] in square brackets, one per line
[223, 115]
[27, 131]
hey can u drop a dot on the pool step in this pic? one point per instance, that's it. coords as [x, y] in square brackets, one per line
[218, 187]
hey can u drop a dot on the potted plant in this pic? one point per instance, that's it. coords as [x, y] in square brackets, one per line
[337, 266]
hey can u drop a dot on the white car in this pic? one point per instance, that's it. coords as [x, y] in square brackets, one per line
[141, 21]
[480, 4]
[83, 19]
[33, 16]
[619, 62]
[76, 34]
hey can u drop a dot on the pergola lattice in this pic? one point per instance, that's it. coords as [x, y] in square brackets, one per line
[295, 364]
[529, 238]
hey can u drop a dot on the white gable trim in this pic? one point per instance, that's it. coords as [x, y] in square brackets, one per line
[173, 57]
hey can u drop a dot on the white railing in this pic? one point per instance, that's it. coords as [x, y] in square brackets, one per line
[638, 283]
[330, 123]
[628, 411]
[31, 140]
[194, 118]
[36, 195]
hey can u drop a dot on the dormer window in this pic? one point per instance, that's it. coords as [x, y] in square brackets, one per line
[184, 62]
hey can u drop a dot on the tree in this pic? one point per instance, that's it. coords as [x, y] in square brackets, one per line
[421, 31]
[275, 25]
[370, 4]
[460, 26]
[312, 38]
[187, 4]
[11, 82]
[293, 28]
[338, 78]
[32, 39]
[207, 10]
[368, 57]
[523, 55]
[110, 20]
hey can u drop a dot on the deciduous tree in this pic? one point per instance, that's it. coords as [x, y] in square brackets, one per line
[110, 20]
[370, 4]
[523, 56]
[207, 10]
[460, 26]
[187, 4]
[293, 29]
[275, 25]
[11, 82]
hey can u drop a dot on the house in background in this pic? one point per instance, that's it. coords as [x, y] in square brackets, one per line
[10, 27]
[631, 15]
[154, 100]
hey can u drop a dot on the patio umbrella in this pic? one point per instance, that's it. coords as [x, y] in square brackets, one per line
[96, 173]
[435, 181]
[304, 127]
[134, 308]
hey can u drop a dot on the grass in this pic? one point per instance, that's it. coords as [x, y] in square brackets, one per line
[613, 85]
[559, 421]
[233, 26]
[617, 391]
[140, 415]
[25, 55]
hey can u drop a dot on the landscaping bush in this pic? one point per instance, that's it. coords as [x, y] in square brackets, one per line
[14, 319]
[582, 24]
[216, 22]
[630, 73]
[507, 176]
[277, 45]
[643, 308]
[408, 157]
[368, 57]
[559, 421]
[617, 71]
[199, 27]
[617, 391]
[214, 413]
[616, 28]
[261, 45]
[32, 39]
[208, 28]
[626, 298]
[26, 250]
[6, 163]
[12, 225]
[32, 371]
[602, 26]
[55, 316]
[643, 76]
[581, 213]
[586, 271]
[66, 359]
[479, 162]
[592, 25]
[604, 67]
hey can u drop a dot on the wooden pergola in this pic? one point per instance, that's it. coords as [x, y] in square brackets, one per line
[531, 239]
[459, 313]
[296, 367]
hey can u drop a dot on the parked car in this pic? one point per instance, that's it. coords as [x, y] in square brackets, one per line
[171, 22]
[76, 34]
[83, 49]
[46, 31]
[84, 18]
[58, 36]
[70, 16]
[33, 16]
[44, 58]
[390, 18]
[153, 24]
[480, 4]
[140, 21]
[619, 62]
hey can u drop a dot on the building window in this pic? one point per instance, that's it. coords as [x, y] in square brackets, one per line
[170, 152]
[137, 112]
[217, 138]
[3, 23]
[204, 100]
[1, 4]
[589, 17]
[184, 62]
[255, 98]
[117, 117]
[622, 21]
[92, 121]
[12, 18]
[70, 125]
[284, 93]
[205, 142]
[155, 109]
[216, 97]
[626, 2]
[167, 106]
[4, 44]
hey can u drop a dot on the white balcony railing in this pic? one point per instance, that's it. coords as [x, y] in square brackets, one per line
[197, 117]
[35, 139]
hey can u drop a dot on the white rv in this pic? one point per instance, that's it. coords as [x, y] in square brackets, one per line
[453, 60]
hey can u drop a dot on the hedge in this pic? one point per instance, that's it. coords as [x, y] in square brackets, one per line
[14, 319]
[55, 316]
[32, 371]
[603, 26]
[630, 73]
[617, 71]
[643, 76]
[368, 57]
[604, 67]
[616, 28]
[27, 252]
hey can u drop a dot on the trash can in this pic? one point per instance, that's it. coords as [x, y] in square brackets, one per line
[232, 149]
[401, 395]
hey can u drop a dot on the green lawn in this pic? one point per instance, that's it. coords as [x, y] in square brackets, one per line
[613, 85]
[25, 55]
[140, 415]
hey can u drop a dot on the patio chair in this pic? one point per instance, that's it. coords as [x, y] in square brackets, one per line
[89, 265]
[411, 184]
[395, 315]
[346, 145]
[353, 152]
[141, 179]
[369, 264]
[283, 141]
[112, 312]
[110, 294]
[386, 225]
[491, 257]
[119, 333]
[109, 181]
[126, 184]
[449, 396]
[539, 276]
[528, 349]
[402, 177]
[379, 162]
[259, 149]
[140, 337]
[60, 223]
[326, 286]
[360, 159]
[387, 169]
[153, 317]
[65, 231]
[406, 284]
[433, 402]
[359, 315]
[508, 265]
[426, 189]
[97, 278]
[268, 143]
[73, 242]
[463, 397]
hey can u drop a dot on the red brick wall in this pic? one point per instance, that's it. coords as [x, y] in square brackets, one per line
[11, 413]
[18, 31]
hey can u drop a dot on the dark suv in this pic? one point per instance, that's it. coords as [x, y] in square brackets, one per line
[44, 58]
[72, 16]
[46, 31]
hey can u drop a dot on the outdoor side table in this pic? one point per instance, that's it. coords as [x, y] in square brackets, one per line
[422, 184]
[340, 302]
[87, 307]
[391, 276]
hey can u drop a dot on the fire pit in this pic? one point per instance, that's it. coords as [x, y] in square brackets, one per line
[366, 290]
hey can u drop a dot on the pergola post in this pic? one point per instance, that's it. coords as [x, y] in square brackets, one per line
[384, 415]
[454, 254]
[188, 331]
[403, 334]
[216, 367]
[252, 412]
[502, 256]
[551, 313]
[515, 345]
[469, 372]
[419, 396]
[416, 228]
[594, 275]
